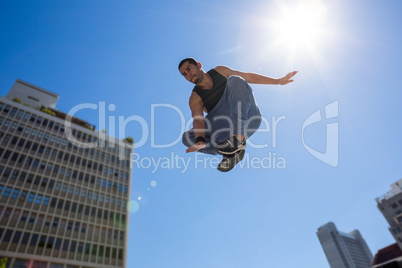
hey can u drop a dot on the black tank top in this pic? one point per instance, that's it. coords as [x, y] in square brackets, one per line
[211, 97]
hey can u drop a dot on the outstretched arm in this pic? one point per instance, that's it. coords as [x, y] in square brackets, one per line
[254, 78]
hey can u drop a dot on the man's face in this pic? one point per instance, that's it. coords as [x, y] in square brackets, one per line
[191, 72]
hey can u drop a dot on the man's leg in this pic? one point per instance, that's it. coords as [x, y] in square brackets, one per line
[188, 139]
[244, 113]
[240, 101]
[229, 161]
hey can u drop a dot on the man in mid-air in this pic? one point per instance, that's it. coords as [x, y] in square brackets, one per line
[232, 113]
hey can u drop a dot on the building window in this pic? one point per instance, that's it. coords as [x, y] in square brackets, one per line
[60, 204]
[73, 246]
[57, 245]
[7, 173]
[15, 194]
[53, 202]
[50, 242]
[23, 195]
[17, 237]
[70, 226]
[24, 216]
[25, 239]
[39, 264]
[67, 206]
[15, 174]
[7, 192]
[63, 224]
[57, 186]
[34, 240]
[49, 167]
[65, 245]
[87, 210]
[30, 178]
[94, 250]
[80, 247]
[56, 169]
[38, 199]
[35, 163]
[84, 228]
[20, 263]
[37, 180]
[55, 222]
[44, 182]
[7, 153]
[32, 218]
[74, 207]
[7, 213]
[46, 200]
[87, 249]
[33, 133]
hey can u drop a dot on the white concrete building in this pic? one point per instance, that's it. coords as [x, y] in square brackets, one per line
[390, 206]
[61, 205]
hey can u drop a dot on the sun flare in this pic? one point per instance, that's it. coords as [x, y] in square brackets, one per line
[300, 24]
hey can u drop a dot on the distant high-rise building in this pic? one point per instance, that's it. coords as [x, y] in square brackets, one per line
[62, 204]
[344, 250]
[390, 206]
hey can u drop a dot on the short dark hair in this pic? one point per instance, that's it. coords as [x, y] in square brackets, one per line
[189, 60]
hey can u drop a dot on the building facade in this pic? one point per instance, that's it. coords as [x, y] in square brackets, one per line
[344, 250]
[390, 206]
[64, 191]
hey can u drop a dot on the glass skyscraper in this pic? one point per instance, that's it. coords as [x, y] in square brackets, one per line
[344, 250]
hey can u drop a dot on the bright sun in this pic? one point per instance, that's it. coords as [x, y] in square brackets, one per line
[300, 24]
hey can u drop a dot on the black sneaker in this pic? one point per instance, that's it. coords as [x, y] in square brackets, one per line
[231, 145]
[229, 162]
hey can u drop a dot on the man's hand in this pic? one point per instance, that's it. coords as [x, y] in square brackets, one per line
[198, 146]
[287, 78]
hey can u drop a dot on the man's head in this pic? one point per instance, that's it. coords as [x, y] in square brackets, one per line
[189, 60]
[191, 70]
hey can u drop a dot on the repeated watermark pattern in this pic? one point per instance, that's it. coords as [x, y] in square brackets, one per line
[330, 156]
[178, 162]
[117, 126]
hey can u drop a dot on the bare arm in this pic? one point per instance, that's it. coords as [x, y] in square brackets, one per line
[196, 107]
[254, 78]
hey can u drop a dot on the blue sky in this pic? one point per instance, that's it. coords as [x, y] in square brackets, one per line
[126, 53]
